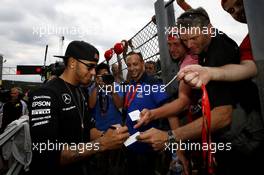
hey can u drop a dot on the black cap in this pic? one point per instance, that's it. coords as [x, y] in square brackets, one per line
[81, 50]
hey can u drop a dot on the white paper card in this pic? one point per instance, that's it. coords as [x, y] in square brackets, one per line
[134, 115]
[117, 125]
[132, 139]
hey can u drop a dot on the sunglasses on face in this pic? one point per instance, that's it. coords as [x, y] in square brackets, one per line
[89, 66]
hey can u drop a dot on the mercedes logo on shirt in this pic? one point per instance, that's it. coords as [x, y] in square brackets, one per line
[66, 98]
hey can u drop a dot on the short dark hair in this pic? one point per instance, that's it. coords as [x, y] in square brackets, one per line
[102, 66]
[194, 18]
[135, 53]
[151, 62]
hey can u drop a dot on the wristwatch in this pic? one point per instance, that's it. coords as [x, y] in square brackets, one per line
[171, 137]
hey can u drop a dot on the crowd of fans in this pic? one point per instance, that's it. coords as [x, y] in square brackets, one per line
[89, 103]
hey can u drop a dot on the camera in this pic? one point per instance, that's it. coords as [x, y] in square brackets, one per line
[108, 79]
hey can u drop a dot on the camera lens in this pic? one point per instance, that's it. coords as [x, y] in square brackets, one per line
[108, 79]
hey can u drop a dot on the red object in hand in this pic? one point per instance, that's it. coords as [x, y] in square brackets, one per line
[118, 48]
[108, 54]
[206, 131]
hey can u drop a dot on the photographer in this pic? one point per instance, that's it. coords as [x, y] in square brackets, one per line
[105, 103]
[104, 100]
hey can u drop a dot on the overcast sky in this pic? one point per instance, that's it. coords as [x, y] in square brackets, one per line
[27, 26]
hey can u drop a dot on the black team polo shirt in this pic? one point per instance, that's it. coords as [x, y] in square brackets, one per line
[54, 118]
[221, 51]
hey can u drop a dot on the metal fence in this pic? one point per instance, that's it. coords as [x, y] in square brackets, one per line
[144, 41]
[147, 41]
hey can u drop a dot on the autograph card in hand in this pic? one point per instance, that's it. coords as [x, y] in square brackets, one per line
[132, 139]
[134, 115]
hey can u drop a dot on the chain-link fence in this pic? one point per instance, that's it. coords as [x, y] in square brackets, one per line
[144, 41]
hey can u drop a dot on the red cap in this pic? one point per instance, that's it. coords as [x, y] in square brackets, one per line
[171, 37]
[173, 34]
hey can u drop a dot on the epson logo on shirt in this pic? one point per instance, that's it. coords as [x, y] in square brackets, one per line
[40, 103]
[40, 111]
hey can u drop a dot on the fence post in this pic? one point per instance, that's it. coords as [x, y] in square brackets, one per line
[164, 18]
[1, 67]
